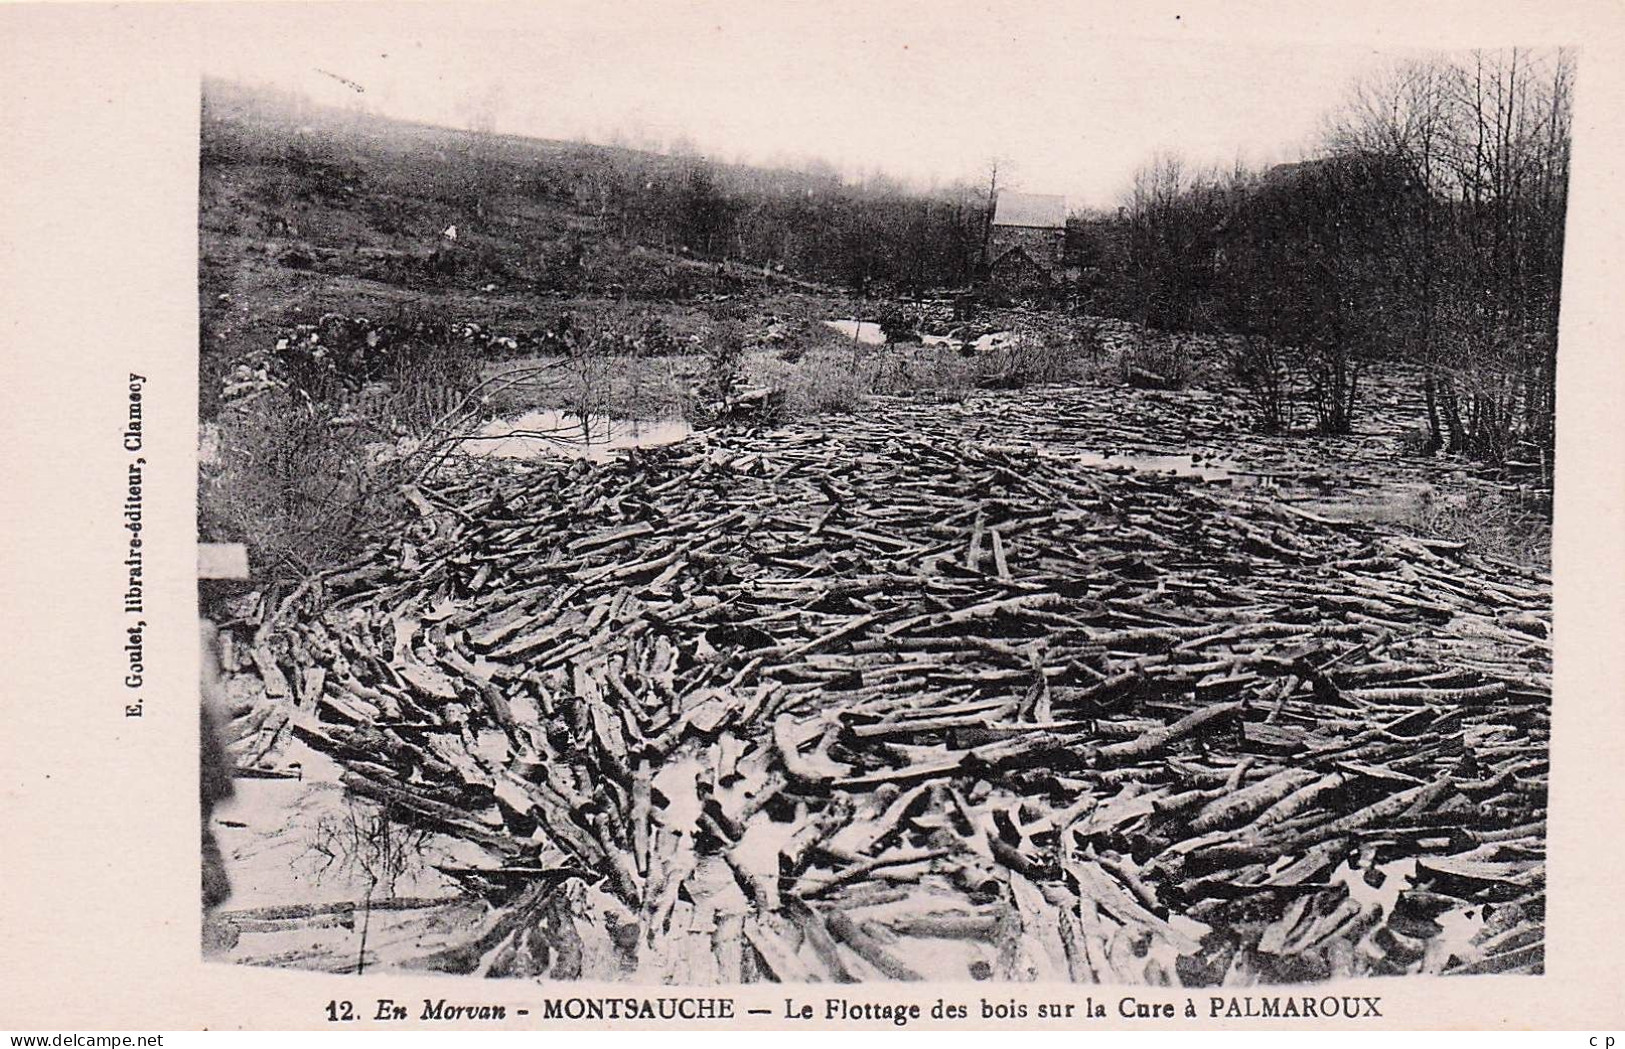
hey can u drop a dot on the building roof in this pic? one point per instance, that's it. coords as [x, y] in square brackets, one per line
[1042, 210]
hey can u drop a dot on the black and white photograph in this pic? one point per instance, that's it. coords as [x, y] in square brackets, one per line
[685, 501]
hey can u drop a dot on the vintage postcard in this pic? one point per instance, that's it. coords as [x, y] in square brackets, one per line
[846, 517]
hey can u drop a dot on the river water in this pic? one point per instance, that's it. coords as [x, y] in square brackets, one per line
[550, 432]
[866, 331]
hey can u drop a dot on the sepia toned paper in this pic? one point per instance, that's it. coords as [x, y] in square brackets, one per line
[101, 277]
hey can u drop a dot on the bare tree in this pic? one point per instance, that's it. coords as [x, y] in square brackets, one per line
[1401, 112]
[1488, 137]
[994, 164]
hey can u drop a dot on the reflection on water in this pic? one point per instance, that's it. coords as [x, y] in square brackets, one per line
[549, 431]
[1214, 471]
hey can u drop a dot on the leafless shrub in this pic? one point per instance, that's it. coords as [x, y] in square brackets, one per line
[1157, 360]
[295, 482]
[821, 380]
[309, 464]
[1025, 359]
[1260, 365]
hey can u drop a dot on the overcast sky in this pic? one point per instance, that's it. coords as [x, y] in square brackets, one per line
[1071, 98]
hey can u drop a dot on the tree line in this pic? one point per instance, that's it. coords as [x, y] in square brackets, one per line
[873, 235]
[1427, 232]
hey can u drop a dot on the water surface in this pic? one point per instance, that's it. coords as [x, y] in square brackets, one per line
[866, 331]
[1213, 471]
[550, 432]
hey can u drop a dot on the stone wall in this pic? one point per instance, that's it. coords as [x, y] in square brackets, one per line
[1044, 246]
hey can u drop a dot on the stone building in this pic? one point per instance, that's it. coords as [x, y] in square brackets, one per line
[1027, 243]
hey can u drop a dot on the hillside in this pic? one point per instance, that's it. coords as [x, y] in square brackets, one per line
[307, 210]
